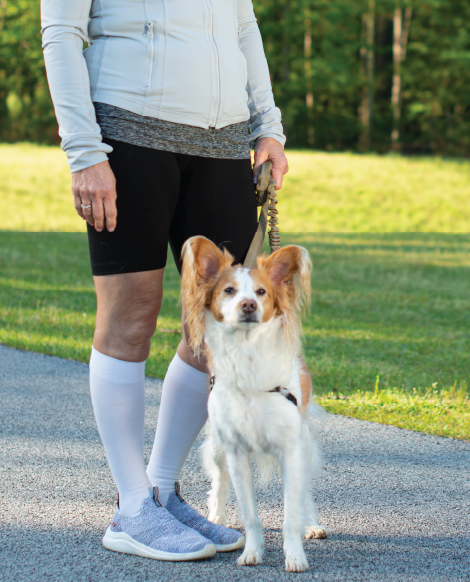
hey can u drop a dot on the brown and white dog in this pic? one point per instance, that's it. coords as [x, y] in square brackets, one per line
[247, 323]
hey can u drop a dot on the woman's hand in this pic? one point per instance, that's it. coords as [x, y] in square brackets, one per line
[94, 193]
[268, 148]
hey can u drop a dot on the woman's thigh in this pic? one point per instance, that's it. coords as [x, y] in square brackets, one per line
[217, 200]
[147, 186]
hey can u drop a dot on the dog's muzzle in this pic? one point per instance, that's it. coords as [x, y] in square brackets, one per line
[249, 309]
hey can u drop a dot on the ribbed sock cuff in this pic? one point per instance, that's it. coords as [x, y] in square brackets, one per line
[116, 371]
[188, 376]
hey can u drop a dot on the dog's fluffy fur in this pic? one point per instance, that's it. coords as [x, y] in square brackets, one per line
[247, 324]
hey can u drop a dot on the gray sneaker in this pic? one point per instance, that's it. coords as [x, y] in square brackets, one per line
[224, 538]
[155, 533]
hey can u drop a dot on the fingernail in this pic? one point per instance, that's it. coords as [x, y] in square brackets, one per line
[111, 229]
[255, 179]
[99, 229]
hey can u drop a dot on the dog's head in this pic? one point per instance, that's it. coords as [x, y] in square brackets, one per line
[239, 297]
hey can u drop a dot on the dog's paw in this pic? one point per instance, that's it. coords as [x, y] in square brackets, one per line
[316, 531]
[219, 518]
[250, 558]
[296, 563]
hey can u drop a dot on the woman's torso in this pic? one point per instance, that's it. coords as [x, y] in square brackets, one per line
[178, 60]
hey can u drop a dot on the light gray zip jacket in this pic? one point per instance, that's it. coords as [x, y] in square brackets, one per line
[195, 62]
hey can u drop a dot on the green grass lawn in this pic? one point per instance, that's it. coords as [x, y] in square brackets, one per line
[393, 306]
[322, 193]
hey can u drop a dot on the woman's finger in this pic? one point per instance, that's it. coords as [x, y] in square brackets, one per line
[278, 176]
[77, 202]
[110, 209]
[98, 214]
[87, 209]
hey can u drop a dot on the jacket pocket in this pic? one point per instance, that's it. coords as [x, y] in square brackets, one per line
[150, 34]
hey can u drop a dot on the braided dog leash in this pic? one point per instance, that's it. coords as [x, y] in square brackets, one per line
[267, 199]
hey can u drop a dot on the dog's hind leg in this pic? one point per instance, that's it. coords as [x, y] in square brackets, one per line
[215, 463]
[312, 528]
[242, 480]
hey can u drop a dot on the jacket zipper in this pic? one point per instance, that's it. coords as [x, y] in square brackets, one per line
[150, 36]
[242, 56]
[213, 118]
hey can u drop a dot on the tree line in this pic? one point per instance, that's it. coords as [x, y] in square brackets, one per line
[360, 75]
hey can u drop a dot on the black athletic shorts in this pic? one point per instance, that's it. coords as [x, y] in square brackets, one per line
[164, 198]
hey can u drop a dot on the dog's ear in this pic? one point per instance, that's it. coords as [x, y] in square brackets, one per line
[203, 257]
[202, 261]
[290, 269]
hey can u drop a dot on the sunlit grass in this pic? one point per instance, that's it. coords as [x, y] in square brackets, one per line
[439, 411]
[323, 192]
[35, 191]
[370, 193]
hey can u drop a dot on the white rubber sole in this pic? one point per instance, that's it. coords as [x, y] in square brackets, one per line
[231, 547]
[121, 542]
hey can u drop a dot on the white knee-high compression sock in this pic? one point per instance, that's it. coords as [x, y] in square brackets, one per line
[183, 412]
[118, 398]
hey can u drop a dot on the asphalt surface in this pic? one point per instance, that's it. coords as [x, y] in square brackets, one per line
[397, 502]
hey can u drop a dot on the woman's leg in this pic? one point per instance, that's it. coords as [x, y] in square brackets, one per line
[128, 306]
[183, 413]
[216, 200]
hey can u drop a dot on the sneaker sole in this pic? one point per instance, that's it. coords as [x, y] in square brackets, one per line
[123, 543]
[231, 547]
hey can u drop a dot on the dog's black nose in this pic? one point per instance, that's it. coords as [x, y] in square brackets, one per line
[248, 305]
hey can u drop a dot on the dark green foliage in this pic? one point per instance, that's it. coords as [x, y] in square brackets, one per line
[26, 111]
[437, 77]
[435, 74]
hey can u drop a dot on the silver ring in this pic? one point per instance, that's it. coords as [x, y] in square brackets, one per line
[85, 207]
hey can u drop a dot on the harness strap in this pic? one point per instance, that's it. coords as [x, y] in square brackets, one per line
[285, 393]
[279, 389]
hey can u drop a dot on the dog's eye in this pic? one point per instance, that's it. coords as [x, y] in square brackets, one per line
[229, 290]
[260, 292]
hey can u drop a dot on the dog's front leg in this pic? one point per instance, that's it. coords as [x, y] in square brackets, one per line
[215, 462]
[242, 480]
[292, 477]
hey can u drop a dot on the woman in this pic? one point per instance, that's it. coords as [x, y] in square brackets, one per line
[155, 117]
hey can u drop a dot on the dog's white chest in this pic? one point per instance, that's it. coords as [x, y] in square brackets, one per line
[258, 423]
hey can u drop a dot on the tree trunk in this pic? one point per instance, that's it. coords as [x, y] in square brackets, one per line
[285, 48]
[400, 40]
[367, 72]
[308, 81]
[285, 51]
[3, 12]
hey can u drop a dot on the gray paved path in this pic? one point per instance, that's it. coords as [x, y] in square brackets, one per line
[397, 502]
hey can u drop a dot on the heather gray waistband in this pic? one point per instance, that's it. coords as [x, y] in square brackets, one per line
[230, 142]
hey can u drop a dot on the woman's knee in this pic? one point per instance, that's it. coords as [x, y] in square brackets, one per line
[126, 335]
[140, 326]
[126, 319]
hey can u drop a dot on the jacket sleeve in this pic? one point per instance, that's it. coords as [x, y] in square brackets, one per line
[64, 31]
[265, 117]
